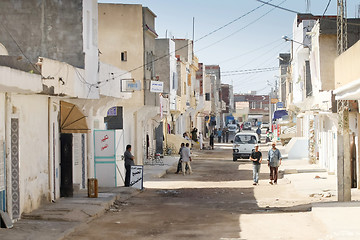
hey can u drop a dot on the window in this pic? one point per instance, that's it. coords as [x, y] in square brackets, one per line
[124, 56]
[253, 105]
[207, 96]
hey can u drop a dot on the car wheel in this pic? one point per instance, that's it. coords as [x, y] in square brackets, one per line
[234, 159]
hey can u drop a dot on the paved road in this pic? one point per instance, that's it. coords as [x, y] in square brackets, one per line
[218, 201]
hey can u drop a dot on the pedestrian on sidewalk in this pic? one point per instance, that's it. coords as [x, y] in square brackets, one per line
[223, 135]
[258, 132]
[180, 159]
[186, 158]
[274, 161]
[201, 140]
[256, 158]
[219, 133]
[129, 161]
[212, 141]
[227, 135]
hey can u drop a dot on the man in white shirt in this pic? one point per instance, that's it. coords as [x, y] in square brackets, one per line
[186, 158]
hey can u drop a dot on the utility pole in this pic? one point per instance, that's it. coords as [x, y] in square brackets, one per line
[343, 142]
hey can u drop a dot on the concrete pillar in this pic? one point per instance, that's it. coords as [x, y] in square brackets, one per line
[344, 161]
[357, 153]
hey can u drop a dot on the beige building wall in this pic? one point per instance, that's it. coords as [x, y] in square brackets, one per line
[328, 53]
[347, 66]
[118, 34]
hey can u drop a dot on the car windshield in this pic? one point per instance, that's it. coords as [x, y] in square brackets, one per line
[245, 139]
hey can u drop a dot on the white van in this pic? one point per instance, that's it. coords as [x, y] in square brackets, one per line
[243, 145]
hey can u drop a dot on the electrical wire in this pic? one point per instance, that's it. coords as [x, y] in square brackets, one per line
[186, 45]
[327, 6]
[22, 52]
[282, 8]
[246, 26]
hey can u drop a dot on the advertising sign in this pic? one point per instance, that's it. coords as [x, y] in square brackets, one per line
[156, 86]
[280, 105]
[130, 85]
[274, 100]
[136, 177]
[104, 143]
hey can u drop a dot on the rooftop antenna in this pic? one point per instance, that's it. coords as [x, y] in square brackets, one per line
[308, 5]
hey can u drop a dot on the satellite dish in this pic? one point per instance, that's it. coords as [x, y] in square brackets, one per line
[3, 50]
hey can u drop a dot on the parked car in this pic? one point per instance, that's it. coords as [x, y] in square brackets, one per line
[232, 127]
[247, 126]
[243, 145]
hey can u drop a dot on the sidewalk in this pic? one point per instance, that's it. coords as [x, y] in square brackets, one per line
[57, 220]
[340, 219]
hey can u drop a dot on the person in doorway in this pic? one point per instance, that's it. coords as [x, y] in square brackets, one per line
[186, 158]
[256, 158]
[201, 140]
[180, 159]
[219, 133]
[274, 161]
[212, 141]
[258, 132]
[129, 161]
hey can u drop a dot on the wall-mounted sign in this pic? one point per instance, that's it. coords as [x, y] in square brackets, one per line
[280, 105]
[274, 100]
[156, 86]
[104, 143]
[130, 85]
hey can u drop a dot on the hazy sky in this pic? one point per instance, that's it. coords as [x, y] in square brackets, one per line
[252, 42]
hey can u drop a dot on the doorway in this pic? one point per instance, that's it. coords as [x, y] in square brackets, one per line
[66, 165]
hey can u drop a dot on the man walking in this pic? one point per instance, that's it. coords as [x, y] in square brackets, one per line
[212, 141]
[186, 158]
[180, 159]
[219, 134]
[256, 158]
[201, 140]
[129, 161]
[274, 161]
[258, 132]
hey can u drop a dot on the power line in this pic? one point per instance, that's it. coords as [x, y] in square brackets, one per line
[327, 6]
[186, 45]
[232, 34]
[285, 9]
[245, 71]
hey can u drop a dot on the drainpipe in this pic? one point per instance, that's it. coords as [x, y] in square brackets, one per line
[7, 151]
[49, 152]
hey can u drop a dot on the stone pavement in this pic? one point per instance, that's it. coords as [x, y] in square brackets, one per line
[57, 220]
[340, 219]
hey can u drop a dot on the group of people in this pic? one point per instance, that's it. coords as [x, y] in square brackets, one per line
[184, 166]
[222, 134]
[274, 161]
[185, 159]
[194, 137]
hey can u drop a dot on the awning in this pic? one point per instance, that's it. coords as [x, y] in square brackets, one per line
[72, 120]
[279, 114]
[350, 91]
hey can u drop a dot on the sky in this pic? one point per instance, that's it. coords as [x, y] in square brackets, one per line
[252, 42]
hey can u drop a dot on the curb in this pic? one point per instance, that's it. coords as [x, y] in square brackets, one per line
[98, 214]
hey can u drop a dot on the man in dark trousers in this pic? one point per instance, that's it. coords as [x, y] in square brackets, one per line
[180, 160]
[274, 161]
[212, 141]
[256, 158]
[129, 161]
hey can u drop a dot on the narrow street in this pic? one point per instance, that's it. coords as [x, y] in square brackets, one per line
[218, 201]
